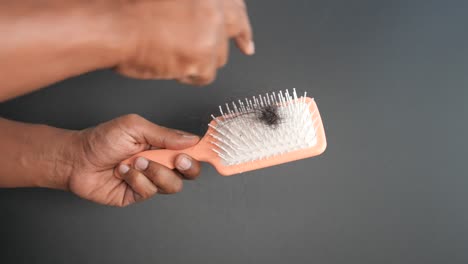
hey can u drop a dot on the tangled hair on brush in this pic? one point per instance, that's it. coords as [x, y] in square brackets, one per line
[269, 115]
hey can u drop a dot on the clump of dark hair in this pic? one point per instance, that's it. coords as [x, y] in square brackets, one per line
[269, 115]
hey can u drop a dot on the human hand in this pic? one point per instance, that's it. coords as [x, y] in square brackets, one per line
[186, 40]
[98, 151]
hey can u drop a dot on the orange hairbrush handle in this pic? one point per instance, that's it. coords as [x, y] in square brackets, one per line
[166, 157]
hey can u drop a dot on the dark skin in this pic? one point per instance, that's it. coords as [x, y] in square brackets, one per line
[45, 41]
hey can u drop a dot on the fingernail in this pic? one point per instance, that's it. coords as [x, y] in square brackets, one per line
[185, 134]
[141, 163]
[250, 48]
[123, 169]
[189, 136]
[184, 163]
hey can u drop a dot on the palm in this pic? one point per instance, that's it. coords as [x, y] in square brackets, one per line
[103, 187]
[96, 179]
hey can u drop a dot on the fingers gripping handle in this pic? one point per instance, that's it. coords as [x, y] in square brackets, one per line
[165, 157]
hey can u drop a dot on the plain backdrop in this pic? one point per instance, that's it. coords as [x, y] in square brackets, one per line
[390, 79]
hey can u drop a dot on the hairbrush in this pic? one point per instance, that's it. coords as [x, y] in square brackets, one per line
[255, 133]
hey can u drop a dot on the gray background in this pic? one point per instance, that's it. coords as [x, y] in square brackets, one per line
[390, 80]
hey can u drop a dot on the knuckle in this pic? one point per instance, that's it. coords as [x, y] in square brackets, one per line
[146, 195]
[132, 177]
[200, 79]
[231, 20]
[222, 61]
[161, 176]
[155, 171]
[203, 48]
[176, 186]
[207, 78]
[210, 13]
[162, 180]
[168, 181]
[131, 118]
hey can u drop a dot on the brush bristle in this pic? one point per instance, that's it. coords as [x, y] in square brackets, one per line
[245, 131]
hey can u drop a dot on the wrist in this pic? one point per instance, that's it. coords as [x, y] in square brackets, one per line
[58, 157]
[118, 29]
[95, 33]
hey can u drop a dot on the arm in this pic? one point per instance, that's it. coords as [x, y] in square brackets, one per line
[34, 155]
[45, 41]
[87, 162]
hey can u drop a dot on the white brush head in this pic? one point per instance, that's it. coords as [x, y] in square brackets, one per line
[263, 127]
